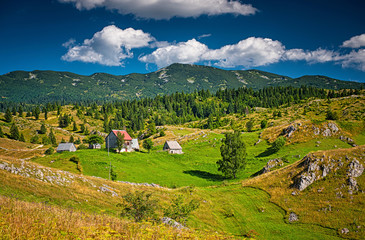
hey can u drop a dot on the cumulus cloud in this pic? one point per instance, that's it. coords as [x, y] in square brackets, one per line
[355, 59]
[108, 47]
[184, 52]
[250, 52]
[355, 42]
[166, 9]
[317, 56]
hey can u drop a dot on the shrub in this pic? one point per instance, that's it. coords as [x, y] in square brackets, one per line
[278, 144]
[139, 206]
[179, 211]
[82, 146]
[263, 124]
[331, 115]
[49, 151]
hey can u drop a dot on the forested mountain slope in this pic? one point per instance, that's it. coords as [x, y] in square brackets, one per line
[40, 86]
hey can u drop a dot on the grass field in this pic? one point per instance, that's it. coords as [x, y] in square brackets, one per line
[197, 166]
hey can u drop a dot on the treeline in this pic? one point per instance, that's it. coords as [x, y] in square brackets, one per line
[177, 108]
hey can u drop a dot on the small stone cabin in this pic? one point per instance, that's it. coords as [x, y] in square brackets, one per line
[66, 147]
[111, 139]
[172, 147]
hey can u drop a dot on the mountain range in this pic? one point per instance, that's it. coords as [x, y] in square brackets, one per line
[43, 86]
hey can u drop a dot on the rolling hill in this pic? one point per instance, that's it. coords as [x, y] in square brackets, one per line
[45, 86]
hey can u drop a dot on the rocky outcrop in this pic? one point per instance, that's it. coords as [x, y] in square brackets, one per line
[316, 168]
[288, 132]
[271, 164]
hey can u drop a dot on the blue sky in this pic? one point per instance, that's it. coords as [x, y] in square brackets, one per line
[292, 38]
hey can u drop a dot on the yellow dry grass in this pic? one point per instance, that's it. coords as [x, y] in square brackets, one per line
[320, 203]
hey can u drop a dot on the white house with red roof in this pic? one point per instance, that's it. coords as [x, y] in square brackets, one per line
[111, 140]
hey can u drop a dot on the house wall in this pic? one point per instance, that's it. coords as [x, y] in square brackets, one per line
[113, 142]
[175, 151]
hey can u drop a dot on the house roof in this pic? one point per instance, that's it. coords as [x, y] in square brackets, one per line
[65, 146]
[123, 132]
[173, 145]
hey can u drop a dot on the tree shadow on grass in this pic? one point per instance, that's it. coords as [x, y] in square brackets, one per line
[205, 175]
[267, 152]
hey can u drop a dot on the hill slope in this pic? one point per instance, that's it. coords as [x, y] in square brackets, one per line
[41, 86]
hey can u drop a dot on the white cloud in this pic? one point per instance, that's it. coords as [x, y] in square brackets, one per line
[204, 36]
[355, 59]
[251, 52]
[184, 52]
[317, 56]
[107, 47]
[355, 42]
[166, 9]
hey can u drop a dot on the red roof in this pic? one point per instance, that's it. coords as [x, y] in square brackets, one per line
[123, 132]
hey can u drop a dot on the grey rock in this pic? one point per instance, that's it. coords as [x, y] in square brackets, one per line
[293, 217]
[305, 180]
[352, 183]
[327, 133]
[288, 132]
[271, 164]
[333, 127]
[104, 189]
[355, 169]
[315, 130]
[171, 222]
[345, 231]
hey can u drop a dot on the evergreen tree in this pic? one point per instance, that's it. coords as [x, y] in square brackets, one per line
[1, 133]
[13, 111]
[74, 127]
[263, 123]
[43, 129]
[8, 116]
[71, 139]
[82, 128]
[233, 152]
[52, 138]
[14, 132]
[249, 125]
[22, 138]
[20, 111]
[36, 113]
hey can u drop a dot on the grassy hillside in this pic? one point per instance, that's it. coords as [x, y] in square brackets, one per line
[252, 205]
[47, 86]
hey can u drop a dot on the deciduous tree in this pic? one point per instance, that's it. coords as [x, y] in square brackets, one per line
[233, 152]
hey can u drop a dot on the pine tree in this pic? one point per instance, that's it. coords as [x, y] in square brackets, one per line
[71, 139]
[36, 113]
[8, 116]
[20, 111]
[22, 138]
[1, 133]
[14, 132]
[52, 138]
[74, 127]
[43, 129]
